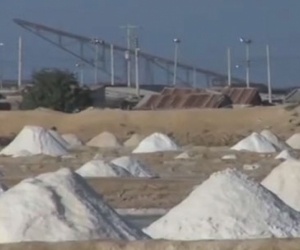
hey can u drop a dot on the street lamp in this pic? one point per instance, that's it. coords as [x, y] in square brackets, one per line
[176, 42]
[96, 42]
[1, 71]
[79, 67]
[247, 42]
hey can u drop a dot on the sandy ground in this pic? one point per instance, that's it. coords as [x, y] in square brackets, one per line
[201, 127]
[272, 244]
[205, 134]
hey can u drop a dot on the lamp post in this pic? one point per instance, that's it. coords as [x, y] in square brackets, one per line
[96, 42]
[269, 73]
[137, 82]
[247, 42]
[79, 67]
[1, 72]
[176, 42]
[229, 67]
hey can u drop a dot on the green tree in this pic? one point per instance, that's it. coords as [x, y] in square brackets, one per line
[56, 89]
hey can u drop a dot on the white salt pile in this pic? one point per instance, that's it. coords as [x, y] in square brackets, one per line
[255, 143]
[275, 140]
[33, 140]
[100, 168]
[250, 167]
[72, 140]
[229, 157]
[156, 142]
[284, 181]
[133, 166]
[227, 206]
[183, 156]
[294, 141]
[286, 155]
[3, 188]
[134, 141]
[59, 138]
[59, 206]
[104, 140]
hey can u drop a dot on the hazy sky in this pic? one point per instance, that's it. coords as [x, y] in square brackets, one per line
[206, 27]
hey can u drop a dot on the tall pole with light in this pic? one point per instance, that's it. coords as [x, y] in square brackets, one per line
[20, 63]
[269, 73]
[136, 53]
[229, 66]
[1, 71]
[247, 42]
[97, 42]
[176, 42]
[79, 67]
[112, 65]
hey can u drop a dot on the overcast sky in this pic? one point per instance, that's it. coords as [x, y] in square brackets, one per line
[206, 27]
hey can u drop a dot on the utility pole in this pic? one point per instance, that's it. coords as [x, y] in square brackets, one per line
[137, 83]
[269, 73]
[247, 43]
[129, 35]
[20, 63]
[112, 65]
[229, 66]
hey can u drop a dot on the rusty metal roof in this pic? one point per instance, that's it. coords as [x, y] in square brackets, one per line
[243, 96]
[186, 101]
[181, 91]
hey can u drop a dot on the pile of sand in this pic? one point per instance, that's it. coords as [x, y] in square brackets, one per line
[294, 141]
[33, 140]
[105, 140]
[72, 140]
[156, 142]
[275, 140]
[255, 143]
[59, 206]
[284, 181]
[100, 168]
[227, 206]
[133, 166]
[134, 141]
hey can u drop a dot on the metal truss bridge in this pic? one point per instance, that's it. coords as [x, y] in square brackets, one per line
[153, 69]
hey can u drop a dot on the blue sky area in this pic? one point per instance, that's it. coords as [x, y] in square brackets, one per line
[206, 27]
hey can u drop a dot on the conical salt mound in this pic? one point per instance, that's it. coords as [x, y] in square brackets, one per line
[133, 141]
[72, 140]
[294, 141]
[104, 140]
[275, 140]
[156, 142]
[255, 143]
[284, 181]
[99, 168]
[227, 206]
[36, 140]
[3, 188]
[286, 155]
[183, 156]
[59, 206]
[133, 166]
